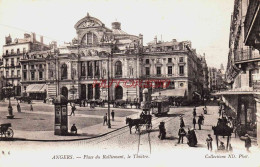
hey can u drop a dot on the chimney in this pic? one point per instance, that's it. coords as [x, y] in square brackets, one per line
[155, 39]
[116, 25]
[174, 40]
[27, 35]
[33, 37]
[8, 39]
[41, 39]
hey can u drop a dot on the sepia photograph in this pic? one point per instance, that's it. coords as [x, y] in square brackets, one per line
[129, 83]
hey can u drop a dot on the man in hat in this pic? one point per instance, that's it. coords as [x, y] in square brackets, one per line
[181, 134]
[112, 115]
[194, 122]
[105, 119]
[181, 122]
[209, 142]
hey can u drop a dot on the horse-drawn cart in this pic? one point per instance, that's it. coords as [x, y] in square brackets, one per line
[145, 120]
[6, 130]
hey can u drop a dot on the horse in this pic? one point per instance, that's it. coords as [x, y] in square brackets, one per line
[133, 122]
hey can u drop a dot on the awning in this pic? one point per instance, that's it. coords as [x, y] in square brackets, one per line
[36, 88]
[234, 93]
[171, 93]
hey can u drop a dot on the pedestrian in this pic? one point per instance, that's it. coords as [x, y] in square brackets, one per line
[247, 142]
[202, 118]
[209, 142]
[221, 147]
[31, 108]
[84, 103]
[18, 107]
[181, 134]
[194, 122]
[200, 122]
[113, 115]
[205, 110]
[105, 119]
[74, 129]
[194, 112]
[73, 108]
[181, 122]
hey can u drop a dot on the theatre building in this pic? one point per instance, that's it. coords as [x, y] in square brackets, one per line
[80, 70]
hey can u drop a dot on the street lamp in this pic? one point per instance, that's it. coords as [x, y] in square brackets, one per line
[108, 90]
[8, 92]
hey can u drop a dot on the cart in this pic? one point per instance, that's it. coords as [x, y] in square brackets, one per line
[6, 130]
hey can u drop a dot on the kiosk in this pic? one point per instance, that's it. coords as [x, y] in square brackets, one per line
[61, 115]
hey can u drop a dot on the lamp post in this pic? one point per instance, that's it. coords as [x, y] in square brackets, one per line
[8, 92]
[108, 91]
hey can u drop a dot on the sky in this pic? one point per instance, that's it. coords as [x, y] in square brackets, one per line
[205, 23]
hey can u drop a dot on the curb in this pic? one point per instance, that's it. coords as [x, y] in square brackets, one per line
[87, 138]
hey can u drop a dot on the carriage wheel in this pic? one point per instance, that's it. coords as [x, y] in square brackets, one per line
[9, 133]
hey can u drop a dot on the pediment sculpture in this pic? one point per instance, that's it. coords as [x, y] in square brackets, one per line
[89, 52]
[88, 23]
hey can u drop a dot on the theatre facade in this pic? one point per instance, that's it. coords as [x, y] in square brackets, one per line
[80, 69]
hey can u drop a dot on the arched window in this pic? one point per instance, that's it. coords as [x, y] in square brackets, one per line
[118, 69]
[90, 39]
[64, 72]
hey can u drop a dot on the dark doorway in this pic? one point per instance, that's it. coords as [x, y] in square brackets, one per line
[64, 91]
[83, 91]
[97, 91]
[119, 93]
[90, 91]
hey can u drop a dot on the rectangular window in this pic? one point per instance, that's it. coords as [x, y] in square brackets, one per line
[96, 68]
[40, 75]
[181, 59]
[24, 75]
[32, 76]
[12, 51]
[7, 73]
[6, 62]
[6, 52]
[169, 70]
[18, 73]
[181, 70]
[18, 60]
[12, 61]
[147, 71]
[169, 60]
[12, 73]
[83, 69]
[24, 67]
[32, 66]
[158, 70]
[40, 66]
[147, 61]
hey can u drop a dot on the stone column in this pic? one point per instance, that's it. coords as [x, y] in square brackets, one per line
[257, 99]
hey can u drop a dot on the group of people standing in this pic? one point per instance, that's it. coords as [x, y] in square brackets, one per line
[200, 118]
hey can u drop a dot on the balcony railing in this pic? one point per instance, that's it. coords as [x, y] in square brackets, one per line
[251, 12]
[245, 54]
